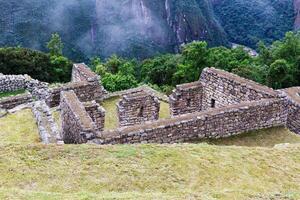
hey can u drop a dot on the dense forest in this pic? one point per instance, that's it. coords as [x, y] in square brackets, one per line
[277, 65]
[141, 28]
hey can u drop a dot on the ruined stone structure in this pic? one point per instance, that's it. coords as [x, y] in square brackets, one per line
[220, 104]
[97, 113]
[77, 126]
[186, 98]
[14, 101]
[216, 123]
[85, 83]
[48, 129]
[222, 88]
[138, 107]
[292, 96]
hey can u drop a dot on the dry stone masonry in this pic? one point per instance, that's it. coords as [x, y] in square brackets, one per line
[48, 129]
[77, 126]
[219, 105]
[186, 98]
[215, 123]
[14, 101]
[138, 107]
[97, 113]
[292, 96]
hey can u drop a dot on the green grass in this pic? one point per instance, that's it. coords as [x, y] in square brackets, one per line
[19, 128]
[111, 115]
[264, 138]
[8, 94]
[30, 170]
[182, 171]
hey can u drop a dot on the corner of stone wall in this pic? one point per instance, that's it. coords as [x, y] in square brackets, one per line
[137, 107]
[97, 113]
[77, 126]
[292, 99]
[186, 98]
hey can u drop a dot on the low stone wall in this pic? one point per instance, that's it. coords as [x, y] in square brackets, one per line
[223, 88]
[292, 96]
[217, 123]
[186, 98]
[138, 107]
[97, 113]
[14, 101]
[77, 126]
[85, 91]
[10, 83]
[47, 126]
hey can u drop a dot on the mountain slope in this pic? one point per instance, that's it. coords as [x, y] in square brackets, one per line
[141, 28]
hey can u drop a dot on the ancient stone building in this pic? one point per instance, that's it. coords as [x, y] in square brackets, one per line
[138, 107]
[77, 126]
[186, 98]
[220, 104]
[97, 113]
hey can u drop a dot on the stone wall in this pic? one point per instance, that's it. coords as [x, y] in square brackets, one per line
[217, 123]
[77, 126]
[10, 83]
[292, 96]
[186, 98]
[223, 88]
[47, 126]
[84, 91]
[14, 101]
[138, 107]
[97, 113]
[82, 73]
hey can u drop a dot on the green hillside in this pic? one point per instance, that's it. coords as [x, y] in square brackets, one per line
[30, 170]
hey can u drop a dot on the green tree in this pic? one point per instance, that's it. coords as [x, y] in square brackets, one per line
[55, 45]
[279, 74]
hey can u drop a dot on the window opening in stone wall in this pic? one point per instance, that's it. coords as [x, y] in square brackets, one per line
[189, 102]
[213, 103]
[141, 112]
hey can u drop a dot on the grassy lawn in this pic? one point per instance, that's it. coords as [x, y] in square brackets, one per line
[30, 170]
[264, 138]
[183, 171]
[8, 94]
[19, 128]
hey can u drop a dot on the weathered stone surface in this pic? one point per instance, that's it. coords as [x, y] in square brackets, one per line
[77, 126]
[223, 88]
[137, 107]
[47, 126]
[14, 101]
[85, 83]
[215, 123]
[186, 98]
[292, 96]
[97, 113]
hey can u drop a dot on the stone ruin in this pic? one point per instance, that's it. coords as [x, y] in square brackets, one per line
[137, 107]
[219, 105]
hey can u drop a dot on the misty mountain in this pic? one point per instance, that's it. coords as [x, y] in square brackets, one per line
[142, 28]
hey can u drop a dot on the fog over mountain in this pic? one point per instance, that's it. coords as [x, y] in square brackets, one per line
[142, 28]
